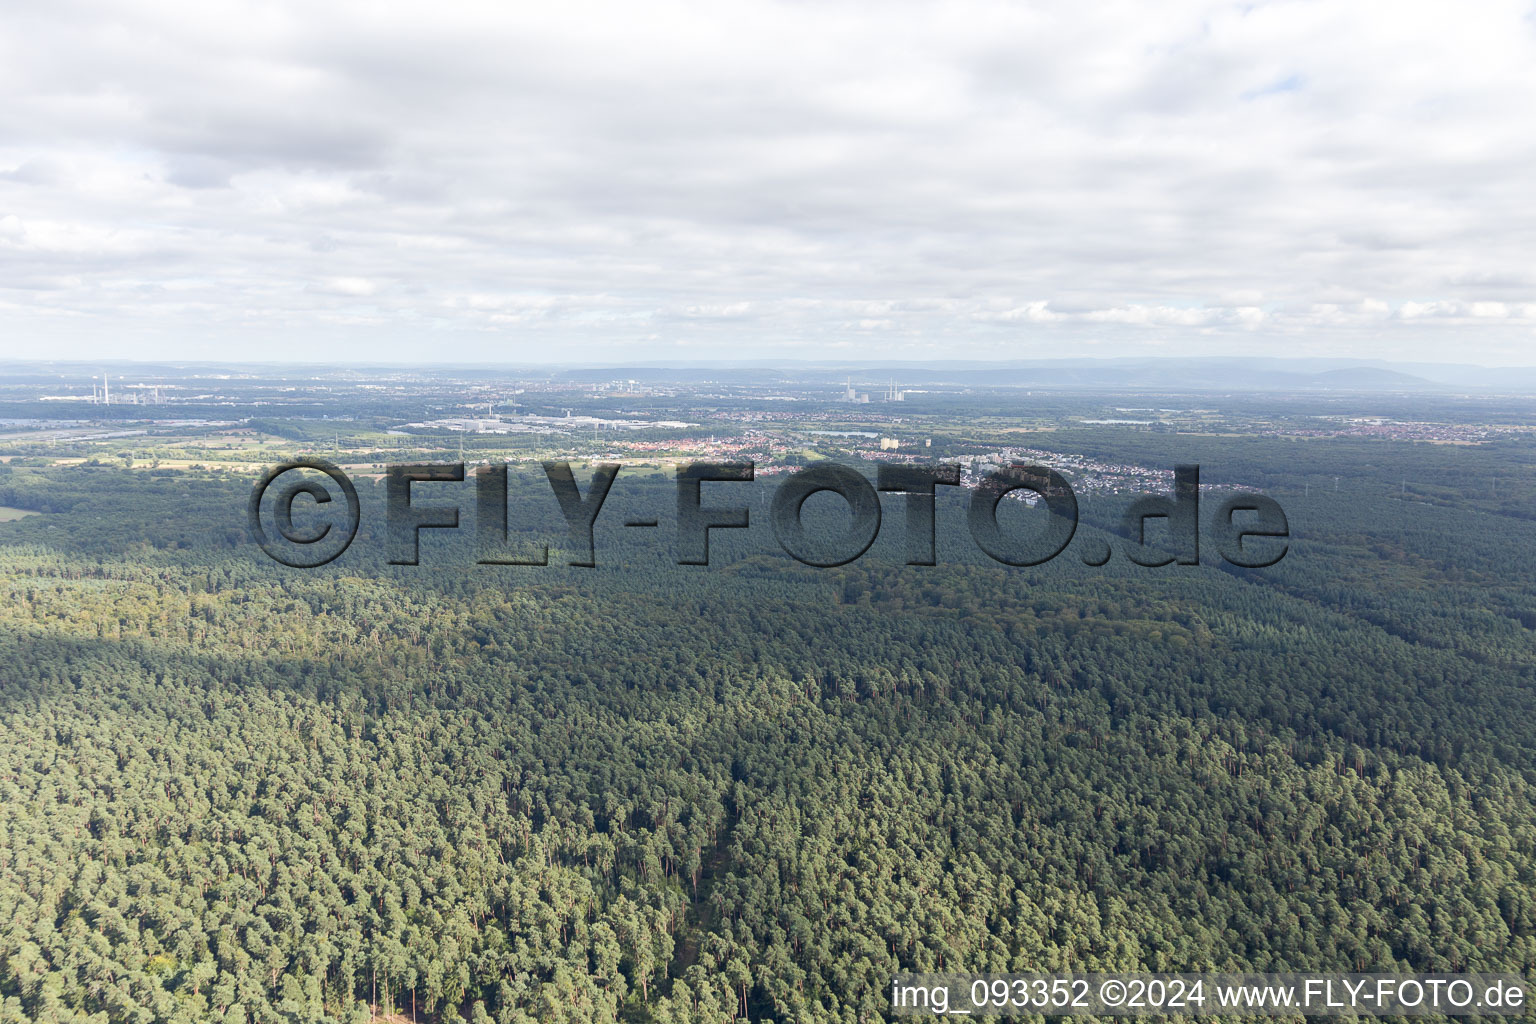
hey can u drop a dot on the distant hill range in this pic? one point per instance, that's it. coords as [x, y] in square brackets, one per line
[1173, 374]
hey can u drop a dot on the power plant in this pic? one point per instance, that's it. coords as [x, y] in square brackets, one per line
[891, 394]
[102, 394]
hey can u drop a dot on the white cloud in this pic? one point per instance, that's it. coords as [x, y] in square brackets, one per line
[354, 286]
[471, 181]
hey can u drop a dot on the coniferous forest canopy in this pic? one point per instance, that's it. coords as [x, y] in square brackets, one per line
[234, 791]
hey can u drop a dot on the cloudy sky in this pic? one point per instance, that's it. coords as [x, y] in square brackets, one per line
[669, 180]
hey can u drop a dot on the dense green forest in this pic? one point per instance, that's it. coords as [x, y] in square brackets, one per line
[232, 791]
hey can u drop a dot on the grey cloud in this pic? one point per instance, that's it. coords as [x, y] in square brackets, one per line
[38, 171]
[598, 180]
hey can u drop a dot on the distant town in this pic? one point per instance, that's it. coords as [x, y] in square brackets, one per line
[240, 418]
